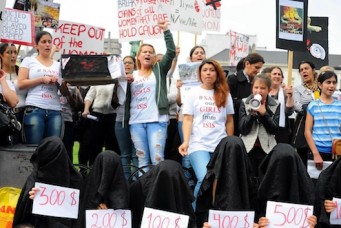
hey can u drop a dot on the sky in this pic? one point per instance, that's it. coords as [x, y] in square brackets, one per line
[253, 17]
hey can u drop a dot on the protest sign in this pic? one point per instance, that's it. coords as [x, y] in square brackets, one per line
[46, 14]
[335, 215]
[287, 214]
[138, 20]
[108, 218]
[56, 201]
[221, 219]
[2, 8]
[211, 15]
[239, 47]
[157, 218]
[17, 27]
[188, 73]
[79, 39]
[186, 16]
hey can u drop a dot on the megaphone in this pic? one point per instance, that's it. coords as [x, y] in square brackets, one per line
[255, 102]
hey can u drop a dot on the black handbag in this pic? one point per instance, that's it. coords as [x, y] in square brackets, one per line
[8, 122]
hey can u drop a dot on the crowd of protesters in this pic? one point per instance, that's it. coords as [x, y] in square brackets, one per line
[232, 133]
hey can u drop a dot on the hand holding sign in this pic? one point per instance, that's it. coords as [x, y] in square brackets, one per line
[163, 24]
[55, 201]
[333, 206]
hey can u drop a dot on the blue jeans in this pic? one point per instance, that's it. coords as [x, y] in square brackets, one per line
[199, 160]
[41, 123]
[185, 160]
[149, 141]
[128, 154]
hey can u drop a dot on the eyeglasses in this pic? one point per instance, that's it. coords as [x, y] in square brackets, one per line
[128, 63]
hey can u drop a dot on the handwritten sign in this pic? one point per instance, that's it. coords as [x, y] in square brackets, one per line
[2, 8]
[239, 47]
[186, 16]
[56, 201]
[79, 39]
[108, 218]
[153, 218]
[231, 219]
[335, 215]
[288, 214]
[138, 20]
[17, 27]
[211, 16]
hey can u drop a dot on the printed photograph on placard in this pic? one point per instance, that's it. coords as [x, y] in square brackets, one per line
[46, 14]
[291, 20]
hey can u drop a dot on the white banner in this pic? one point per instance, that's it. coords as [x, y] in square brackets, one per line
[79, 39]
[153, 218]
[231, 218]
[211, 15]
[239, 47]
[108, 218]
[186, 16]
[17, 27]
[138, 20]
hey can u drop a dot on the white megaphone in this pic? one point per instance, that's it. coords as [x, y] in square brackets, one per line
[255, 102]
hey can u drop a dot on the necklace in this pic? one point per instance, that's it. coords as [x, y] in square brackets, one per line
[313, 87]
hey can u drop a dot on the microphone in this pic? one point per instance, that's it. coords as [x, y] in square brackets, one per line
[255, 102]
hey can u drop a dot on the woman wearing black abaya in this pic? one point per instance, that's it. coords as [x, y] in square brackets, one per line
[165, 188]
[328, 186]
[106, 186]
[229, 184]
[284, 178]
[51, 165]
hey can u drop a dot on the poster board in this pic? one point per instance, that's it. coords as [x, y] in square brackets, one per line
[317, 46]
[291, 24]
[79, 39]
[18, 27]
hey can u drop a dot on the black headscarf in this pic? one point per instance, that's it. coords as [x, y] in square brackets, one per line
[51, 165]
[164, 187]
[235, 183]
[284, 178]
[328, 186]
[106, 184]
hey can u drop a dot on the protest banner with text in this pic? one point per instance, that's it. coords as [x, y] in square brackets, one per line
[17, 27]
[186, 16]
[211, 15]
[79, 39]
[239, 47]
[138, 20]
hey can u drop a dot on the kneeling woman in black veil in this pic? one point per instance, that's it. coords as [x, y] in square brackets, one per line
[106, 186]
[328, 186]
[51, 165]
[165, 188]
[229, 184]
[284, 178]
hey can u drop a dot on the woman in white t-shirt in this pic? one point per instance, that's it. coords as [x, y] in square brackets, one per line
[39, 74]
[208, 117]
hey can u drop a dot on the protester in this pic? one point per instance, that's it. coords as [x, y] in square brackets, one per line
[99, 98]
[228, 184]
[208, 118]
[148, 104]
[106, 187]
[39, 74]
[240, 84]
[286, 102]
[303, 95]
[51, 165]
[323, 120]
[196, 54]
[122, 132]
[283, 178]
[165, 188]
[258, 125]
[327, 187]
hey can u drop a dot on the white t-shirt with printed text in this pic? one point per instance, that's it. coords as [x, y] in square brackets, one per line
[143, 107]
[209, 121]
[42, 96]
